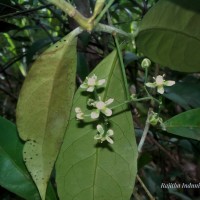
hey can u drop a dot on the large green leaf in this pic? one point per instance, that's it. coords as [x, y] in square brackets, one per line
[44, 106]
[170, 36]
[13, 173]
[86, 170]
[186, 124]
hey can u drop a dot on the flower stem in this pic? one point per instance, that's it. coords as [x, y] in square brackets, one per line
[122, 67]
[146, 75]
[103, 12]
[132, 100]
[146, 129]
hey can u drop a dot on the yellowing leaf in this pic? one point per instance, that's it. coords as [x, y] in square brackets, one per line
[87, 170]
[44, 106]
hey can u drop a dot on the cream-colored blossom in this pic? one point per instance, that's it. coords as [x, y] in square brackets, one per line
[102, 136]
[79, 113]
[101, 107]
[91, 82]
[160, 83]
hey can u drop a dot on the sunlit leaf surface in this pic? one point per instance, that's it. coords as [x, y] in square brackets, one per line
[87, 170]
[44, 106]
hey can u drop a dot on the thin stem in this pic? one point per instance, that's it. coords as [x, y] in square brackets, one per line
[111, 30]
[24, 11]
[122, 67]
[146, 129]
[132, 100]
[146, 74]
[103, 12]
[145, 188]
[157, 101]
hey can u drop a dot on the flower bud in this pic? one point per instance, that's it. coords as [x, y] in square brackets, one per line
[145, 63]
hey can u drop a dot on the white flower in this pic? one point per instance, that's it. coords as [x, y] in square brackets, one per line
[91, 82]
[160, 83]
[101, 107]
[79, 113]
[102, 136]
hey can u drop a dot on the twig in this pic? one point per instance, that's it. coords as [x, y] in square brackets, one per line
[146, 129]
[145, 188]
[24, 11]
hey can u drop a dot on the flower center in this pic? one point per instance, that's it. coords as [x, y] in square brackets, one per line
[159, 80]
[100, 105]
[91, 81]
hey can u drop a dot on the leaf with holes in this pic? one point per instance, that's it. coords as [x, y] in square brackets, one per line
[44, 106]
[186, 124]
[13, 173]
[89, 170]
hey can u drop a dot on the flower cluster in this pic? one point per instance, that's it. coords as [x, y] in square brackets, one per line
[100, 107]
[159, 83]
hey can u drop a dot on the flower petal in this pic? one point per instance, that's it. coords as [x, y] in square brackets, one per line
[91, 102]
[80, 116]
[84, 85]
[78, 110]
[97, 137]
[109, 101]
[160, 89]
[100, 129]
[169, 83]
[159, 80]
[95, 114]
[107, 112]
[151, 85]
[94, 77]
[100, 82]
[109, 140]
[110, 132]
[90, 89]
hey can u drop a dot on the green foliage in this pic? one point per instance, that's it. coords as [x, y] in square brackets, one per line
[169, 35]
[186, 124]
[185, 93]
[42, 115]
[13, 173]
[89, 170]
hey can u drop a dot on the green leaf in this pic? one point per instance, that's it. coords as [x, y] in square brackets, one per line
[44, 106]
[186, 124]
[87, 170]
[169, 35]
[13, 173]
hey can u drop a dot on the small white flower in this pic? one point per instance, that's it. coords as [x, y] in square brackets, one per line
[101, 107]
[79, 113]
[102, 136]
[160, 83]
[91, 82]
